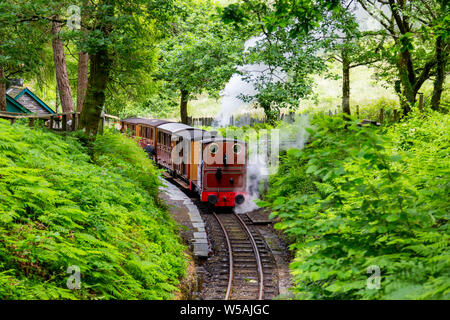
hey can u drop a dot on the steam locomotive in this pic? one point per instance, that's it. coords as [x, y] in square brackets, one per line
[214, 167]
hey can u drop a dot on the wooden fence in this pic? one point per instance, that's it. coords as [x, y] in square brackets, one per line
[246, 119]
[58, 122]
[250, 119]
[70, 121]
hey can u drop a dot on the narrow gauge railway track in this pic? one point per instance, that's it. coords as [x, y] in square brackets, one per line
[234, 271]
[250, 267]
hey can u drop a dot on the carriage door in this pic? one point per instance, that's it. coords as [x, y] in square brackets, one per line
[181, 155]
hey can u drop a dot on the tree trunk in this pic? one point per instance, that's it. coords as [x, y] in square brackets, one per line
[57, 99]
[83, 63]
[100, 64]
[99, 69]
[2, 90]
[408, 98]
[345, 83]
[83, 74]
[271, 115]
[183, 106]
[62, 77]
[441, 59]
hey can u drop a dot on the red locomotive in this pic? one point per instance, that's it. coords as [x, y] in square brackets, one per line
[212, 166]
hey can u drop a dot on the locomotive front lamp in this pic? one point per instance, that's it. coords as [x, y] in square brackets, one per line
[239, 199]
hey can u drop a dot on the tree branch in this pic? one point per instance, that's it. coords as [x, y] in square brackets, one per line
[424, 75]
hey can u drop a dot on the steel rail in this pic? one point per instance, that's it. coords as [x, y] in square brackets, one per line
[230, 257]
[258, 258]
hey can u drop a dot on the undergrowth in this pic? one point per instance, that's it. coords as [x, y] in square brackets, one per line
[59, 209]
[368, 209]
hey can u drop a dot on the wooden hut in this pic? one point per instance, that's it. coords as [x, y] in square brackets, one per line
[22, 100]
[14, 106]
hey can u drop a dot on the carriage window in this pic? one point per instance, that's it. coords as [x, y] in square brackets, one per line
[237, 148]
[214, 148]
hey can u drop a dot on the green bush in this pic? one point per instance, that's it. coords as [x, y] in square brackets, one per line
[58, 209]
[357, 197]
[122, 155]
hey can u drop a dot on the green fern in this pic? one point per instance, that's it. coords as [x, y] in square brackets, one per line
[58, 209]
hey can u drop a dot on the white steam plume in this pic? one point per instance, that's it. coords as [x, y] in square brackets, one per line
[242, 84]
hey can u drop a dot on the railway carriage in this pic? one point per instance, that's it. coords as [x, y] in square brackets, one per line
[146, 129]
[166, 144]
[212, 166]
[188, 149]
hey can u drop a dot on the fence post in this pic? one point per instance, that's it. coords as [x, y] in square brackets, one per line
[102, 125]
[51, 122]
[395, 115]
[77, 120]
[74, 125]
[64, 122]
[381, 119]
[421, 101]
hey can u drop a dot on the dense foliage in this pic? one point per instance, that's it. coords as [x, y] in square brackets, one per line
[58, 209]
[201, 56]
[406, 41]
[359, 199]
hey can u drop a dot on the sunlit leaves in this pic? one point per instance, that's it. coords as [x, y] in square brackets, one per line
[354, 198]
[203, 53]
[58, 209]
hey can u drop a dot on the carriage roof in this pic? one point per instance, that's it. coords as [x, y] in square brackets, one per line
[192, 134]
[173, 127]
[149, 122]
